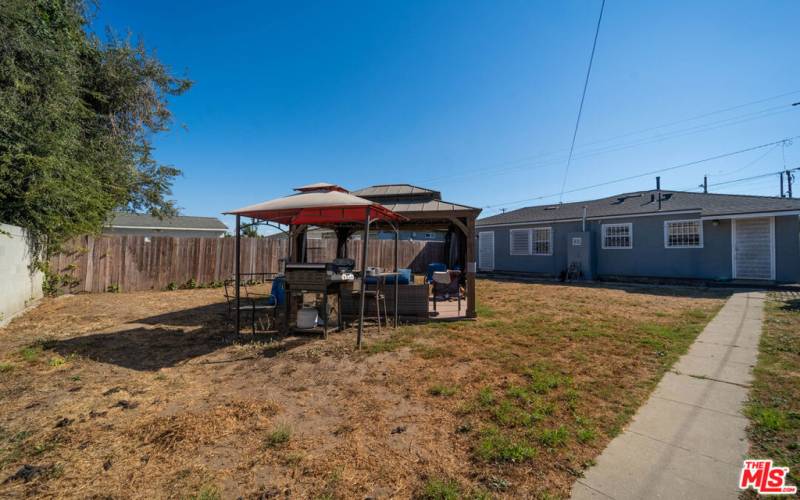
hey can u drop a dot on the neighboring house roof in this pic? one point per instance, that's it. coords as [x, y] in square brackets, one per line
[646, 203]
[180, 222]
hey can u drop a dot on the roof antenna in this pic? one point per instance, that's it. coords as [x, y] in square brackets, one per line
[658, 190]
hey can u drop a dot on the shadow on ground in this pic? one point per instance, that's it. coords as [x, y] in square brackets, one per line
[171, 339]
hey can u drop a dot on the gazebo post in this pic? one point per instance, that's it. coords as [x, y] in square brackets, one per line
[396, 270]
[236, 270]
[471, 268]
[364, 249]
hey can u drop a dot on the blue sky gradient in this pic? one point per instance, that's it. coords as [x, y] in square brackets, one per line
[476, 99]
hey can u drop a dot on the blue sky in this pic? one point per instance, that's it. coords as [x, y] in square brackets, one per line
[476, 99]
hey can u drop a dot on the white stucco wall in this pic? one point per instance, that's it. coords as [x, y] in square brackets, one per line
[18, 286]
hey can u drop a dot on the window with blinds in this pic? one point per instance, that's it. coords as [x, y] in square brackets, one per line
[520, 242]
[617, 235]
[683, 234]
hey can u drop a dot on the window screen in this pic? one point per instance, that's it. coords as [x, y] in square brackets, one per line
[618, 235]
[683, 234]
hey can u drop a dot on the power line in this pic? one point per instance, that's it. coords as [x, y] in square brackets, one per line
[583, 97]
[781, 172]
[526, 162]
[651, 172]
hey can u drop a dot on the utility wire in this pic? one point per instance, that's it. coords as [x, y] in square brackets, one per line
[528, 163]
[754, 177]
[583, 97]
[651, 172]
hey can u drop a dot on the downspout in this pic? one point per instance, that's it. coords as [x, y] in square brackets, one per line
[583, 220]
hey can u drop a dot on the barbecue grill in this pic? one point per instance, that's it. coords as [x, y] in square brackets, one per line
[325, 278]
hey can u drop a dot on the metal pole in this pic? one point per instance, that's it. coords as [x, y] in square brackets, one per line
[658, 191]
[789, 183]
[236, 270]
[705, 184]
[781, 177]
[396, 270]
[365, 248]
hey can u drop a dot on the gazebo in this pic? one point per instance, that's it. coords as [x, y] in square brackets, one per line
[320, 204]
[392, 207]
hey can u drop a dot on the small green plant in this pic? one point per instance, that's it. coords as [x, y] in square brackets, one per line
[279, 436]
[769, 418]
[172, 286]
[208, 492]
[586, 435]
[6, 367]
[486, 396]
[31, 353]
[441, 390]
[191, 284]
[57, 361]
[441, 489]
[508, 415]
[114, 288]
[494, 446]
[553, 438]
[543, 380]
[292, 459]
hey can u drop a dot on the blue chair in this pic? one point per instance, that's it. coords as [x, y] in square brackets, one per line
[432, 268]
[278, 291]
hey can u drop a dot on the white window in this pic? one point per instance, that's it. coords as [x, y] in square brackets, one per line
[618, 235]
[519, 242]
[683, 234]
[542, 241]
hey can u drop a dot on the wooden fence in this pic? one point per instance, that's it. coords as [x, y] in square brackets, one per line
[131, 263]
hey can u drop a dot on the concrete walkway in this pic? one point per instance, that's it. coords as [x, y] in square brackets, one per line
[688, 440]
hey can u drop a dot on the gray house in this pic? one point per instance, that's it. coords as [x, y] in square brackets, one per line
[649, 234]
[181, 226]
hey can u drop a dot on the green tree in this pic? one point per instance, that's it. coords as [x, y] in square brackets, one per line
[77, 115]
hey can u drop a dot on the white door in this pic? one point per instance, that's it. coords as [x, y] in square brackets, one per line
[753, 248]
[486, 250]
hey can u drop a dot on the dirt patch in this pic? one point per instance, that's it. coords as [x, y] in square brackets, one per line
[149, 394]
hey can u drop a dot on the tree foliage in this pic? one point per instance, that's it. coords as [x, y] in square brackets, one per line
[77, 116]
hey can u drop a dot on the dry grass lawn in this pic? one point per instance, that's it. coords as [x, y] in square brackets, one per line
[148, 395]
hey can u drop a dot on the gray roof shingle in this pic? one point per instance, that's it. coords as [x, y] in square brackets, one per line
[645, 202]
[124, 219]
[427, 206]
[395, 190]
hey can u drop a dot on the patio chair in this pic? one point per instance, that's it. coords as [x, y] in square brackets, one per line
[446, 284]
[253, 303]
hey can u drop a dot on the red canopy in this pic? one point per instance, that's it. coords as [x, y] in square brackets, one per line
[318, 208]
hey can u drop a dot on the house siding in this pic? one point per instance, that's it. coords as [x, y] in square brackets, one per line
[649, 257]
